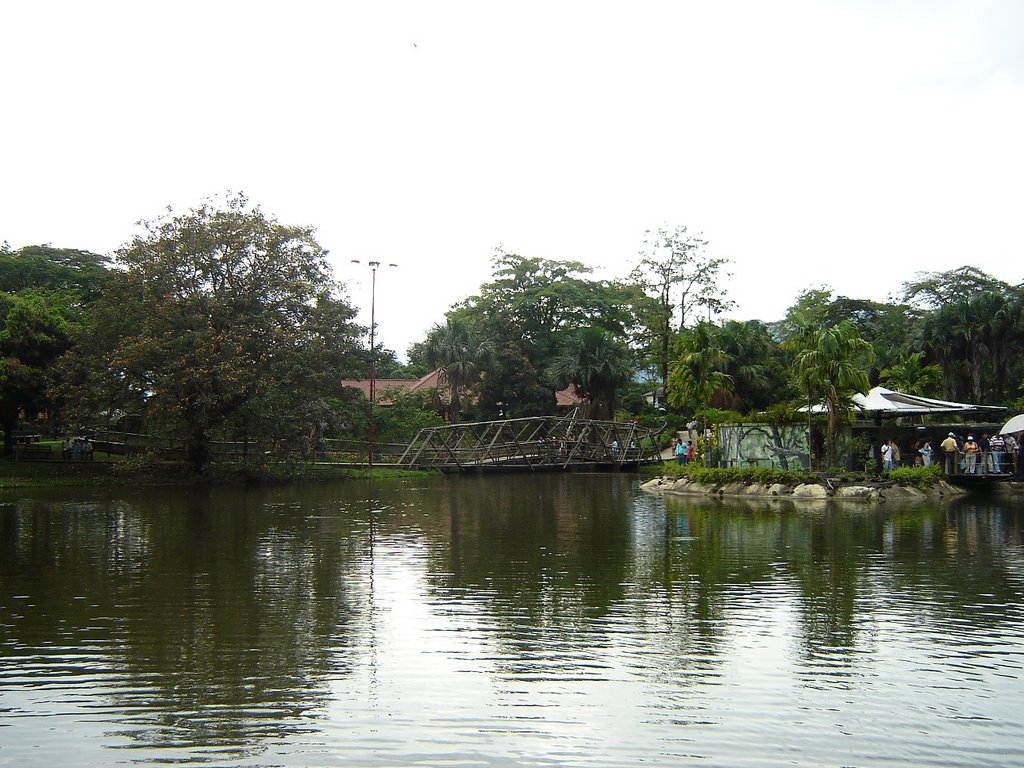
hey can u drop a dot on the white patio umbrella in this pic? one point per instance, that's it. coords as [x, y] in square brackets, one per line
[1014, 425]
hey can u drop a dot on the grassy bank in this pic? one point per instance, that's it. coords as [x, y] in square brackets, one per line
[55, 474]
[68, 474]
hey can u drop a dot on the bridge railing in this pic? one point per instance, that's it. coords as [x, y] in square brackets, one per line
[537, 442]
[983, 463]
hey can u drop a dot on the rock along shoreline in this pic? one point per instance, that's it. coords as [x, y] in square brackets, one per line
[822, 490]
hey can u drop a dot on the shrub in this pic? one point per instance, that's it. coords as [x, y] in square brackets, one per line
[723, 476]
[917, 477]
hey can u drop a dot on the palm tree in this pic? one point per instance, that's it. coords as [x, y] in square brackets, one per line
[751, 360]
[597, 365]
[912, 376]
[945, 340]
[975, 341]
[454, 349]
[699, 370]
[835, 365]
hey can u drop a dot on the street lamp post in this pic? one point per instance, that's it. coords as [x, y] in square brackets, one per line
[373, 352]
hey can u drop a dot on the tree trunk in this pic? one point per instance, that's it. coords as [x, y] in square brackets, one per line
[454, 406]
[833, 405]
[197, 450]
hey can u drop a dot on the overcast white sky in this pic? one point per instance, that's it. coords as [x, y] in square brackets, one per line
[849, 143]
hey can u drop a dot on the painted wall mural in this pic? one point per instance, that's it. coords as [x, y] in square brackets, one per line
[763, 445]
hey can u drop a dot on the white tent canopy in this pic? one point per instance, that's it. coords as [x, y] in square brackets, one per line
[883, 402]
[1014, 425]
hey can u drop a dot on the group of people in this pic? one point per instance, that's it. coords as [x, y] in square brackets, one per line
[997, 455]
[76, 449]
[889, 452]
[682, 450]
[1000, 454]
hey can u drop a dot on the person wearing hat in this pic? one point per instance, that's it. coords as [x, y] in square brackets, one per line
[971, 450]
[949, 450]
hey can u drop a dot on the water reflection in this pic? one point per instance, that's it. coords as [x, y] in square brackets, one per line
[193, 621]
[527, 620]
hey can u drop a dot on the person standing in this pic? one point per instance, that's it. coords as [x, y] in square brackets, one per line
[950, 451]
[887, 456]
[926, 453]
[984, 454]
[680, 453]
[1011, 453]
[971, 451]
[997, 445]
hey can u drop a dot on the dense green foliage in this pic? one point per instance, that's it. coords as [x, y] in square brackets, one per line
[456, 349]
[223, 324]
[834, 365]
[77, 276]
[682, 284]
[44, 292]
[917, 477]
[922, 478]
[729, 475]
[973, 332]
[597, 365]
[533, 315]
[699, 368]
[219, 324]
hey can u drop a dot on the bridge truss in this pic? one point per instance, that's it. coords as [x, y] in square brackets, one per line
[537, 443]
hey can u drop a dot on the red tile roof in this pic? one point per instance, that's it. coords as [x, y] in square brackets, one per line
[566, 398]
[428, 383]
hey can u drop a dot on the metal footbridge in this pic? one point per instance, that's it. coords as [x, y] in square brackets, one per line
[542, 443]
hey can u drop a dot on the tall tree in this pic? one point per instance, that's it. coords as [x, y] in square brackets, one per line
[834, 366]
[597, 365]
[541, 298]
[699, 368]
[889, 327]
[684, 281]
[44, 291]
[461, 355]
[972, 329]
[753, 362]
[911, 375]
[525, 312]
[511, 386]
[220, 321]
[804, 318]
[78, 276]
[33, 335]
[934, 290]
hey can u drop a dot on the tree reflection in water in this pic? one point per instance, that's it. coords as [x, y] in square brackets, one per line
[570, 609]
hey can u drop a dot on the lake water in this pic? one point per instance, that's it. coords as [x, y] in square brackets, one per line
[551, 620]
